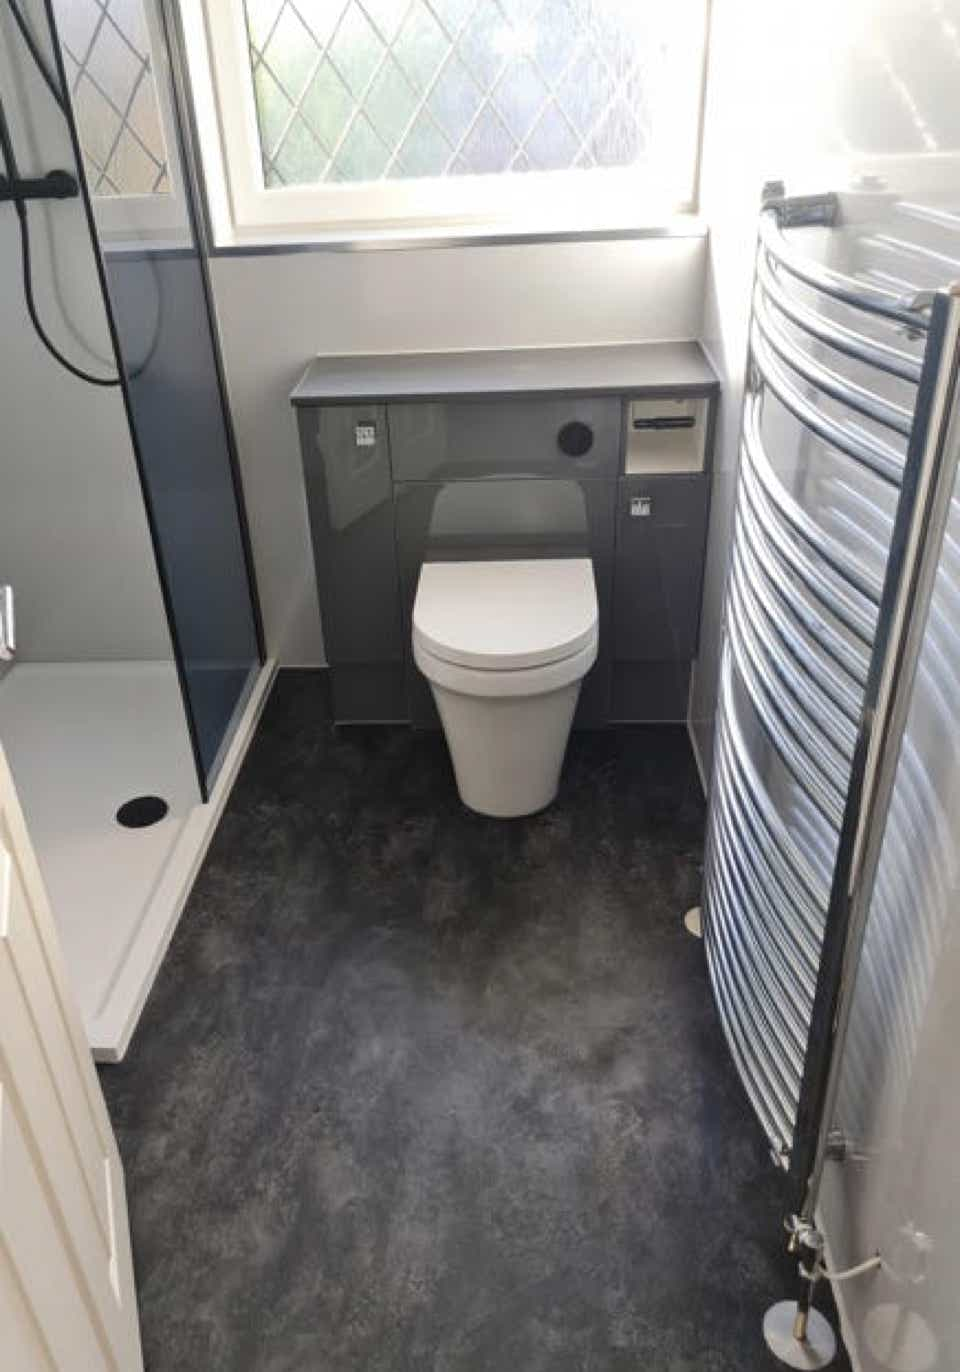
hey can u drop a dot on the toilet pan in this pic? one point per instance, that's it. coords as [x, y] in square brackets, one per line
[505, 646]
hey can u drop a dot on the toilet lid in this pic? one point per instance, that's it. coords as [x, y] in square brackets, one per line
[505, 615]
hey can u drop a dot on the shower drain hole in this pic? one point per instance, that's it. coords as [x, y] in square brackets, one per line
[141, 812]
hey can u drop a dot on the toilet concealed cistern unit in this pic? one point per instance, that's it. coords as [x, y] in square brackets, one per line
[505, 646]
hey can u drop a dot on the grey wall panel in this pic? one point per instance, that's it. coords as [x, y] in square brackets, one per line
[459, 439]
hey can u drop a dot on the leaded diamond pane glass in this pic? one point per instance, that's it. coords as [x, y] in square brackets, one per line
[382, 89]
[356, 52]
[106, 51]
[552, 145]
[425, 150]
[362, 156]
[391, 100]
[326, 107]
[300, 152]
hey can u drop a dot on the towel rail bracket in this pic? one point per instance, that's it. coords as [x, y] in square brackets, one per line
[801, 211]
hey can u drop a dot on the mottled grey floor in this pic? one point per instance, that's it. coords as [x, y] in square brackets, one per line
[419, 1090]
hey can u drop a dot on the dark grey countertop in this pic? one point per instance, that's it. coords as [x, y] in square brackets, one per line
[600, 369]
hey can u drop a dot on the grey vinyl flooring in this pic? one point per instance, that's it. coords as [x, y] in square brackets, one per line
[421, 1090]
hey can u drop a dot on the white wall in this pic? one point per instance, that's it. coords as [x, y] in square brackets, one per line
[74, 541]
[278, 312]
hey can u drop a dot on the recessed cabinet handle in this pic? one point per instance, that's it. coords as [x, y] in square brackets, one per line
[666, 421]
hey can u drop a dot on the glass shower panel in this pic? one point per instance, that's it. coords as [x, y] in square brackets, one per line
[127, 121]
[91, 710]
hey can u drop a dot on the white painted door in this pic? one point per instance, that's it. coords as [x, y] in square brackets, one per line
[67, 1299]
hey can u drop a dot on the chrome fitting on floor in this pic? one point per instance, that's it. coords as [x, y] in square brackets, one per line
[693, 921]
[794, 1332]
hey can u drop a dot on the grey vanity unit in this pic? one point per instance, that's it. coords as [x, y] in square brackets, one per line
[602, 452]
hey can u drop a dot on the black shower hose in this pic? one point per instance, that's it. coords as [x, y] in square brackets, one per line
[11, 170]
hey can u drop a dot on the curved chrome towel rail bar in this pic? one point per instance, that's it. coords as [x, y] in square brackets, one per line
[854, 573]
[805, 676]
[833, 598]
[781, 667]
[847, 289]
[848, 438]
[787, 735]
[930, 214]
[748, 951]
[942, 265]
[836, 335]
[771, 1065]
[776, 1119]
[761, 1034]
[776, 575]
[798, 882]
[831, 383]
[845, 699]
[795, 974]
[842, 495]
[803, 918]
[794, 733]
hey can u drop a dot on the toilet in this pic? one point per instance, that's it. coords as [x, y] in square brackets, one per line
[505, 646]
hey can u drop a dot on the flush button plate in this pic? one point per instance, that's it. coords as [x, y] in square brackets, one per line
[365, 435]
[641, 507]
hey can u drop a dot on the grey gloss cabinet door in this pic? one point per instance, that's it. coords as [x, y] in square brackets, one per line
[661, 531]
[350, 498]
[463, 439]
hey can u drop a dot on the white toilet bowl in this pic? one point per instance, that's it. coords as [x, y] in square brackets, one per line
[505, 646]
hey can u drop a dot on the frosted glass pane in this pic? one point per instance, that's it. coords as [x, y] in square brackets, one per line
[401, 88]
[106, 49]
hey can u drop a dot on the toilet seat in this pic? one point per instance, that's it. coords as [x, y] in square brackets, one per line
[516, 617]
[516, 682]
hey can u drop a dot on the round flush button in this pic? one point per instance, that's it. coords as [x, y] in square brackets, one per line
[575, 439]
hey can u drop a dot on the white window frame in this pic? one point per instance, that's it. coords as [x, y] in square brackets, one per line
[243, 210]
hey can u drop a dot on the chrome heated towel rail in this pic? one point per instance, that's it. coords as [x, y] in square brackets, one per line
[851, 387]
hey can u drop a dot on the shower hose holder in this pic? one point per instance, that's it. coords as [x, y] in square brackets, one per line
[54, 185]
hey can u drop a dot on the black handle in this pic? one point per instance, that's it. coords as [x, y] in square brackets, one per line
[575, 438]
[55, 185]
[666, 421]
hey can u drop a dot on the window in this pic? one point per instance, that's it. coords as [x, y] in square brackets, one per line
[370, 113]
[122, 115]
[106, 53]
